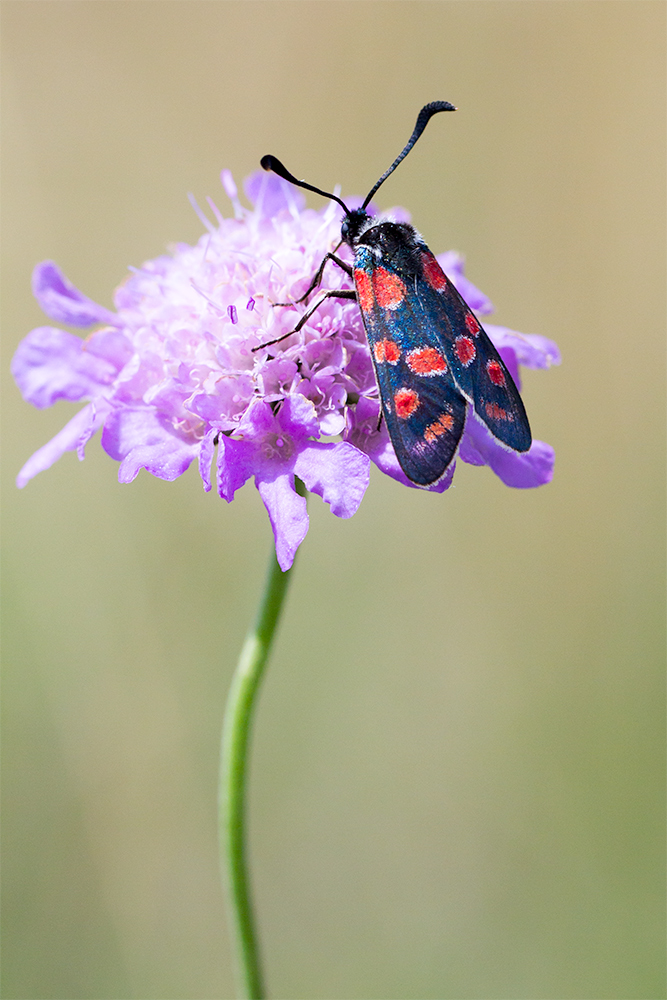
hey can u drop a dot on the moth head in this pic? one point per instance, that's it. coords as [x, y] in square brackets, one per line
[354, 224]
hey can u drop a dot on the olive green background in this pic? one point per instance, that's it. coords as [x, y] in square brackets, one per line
[457, 773]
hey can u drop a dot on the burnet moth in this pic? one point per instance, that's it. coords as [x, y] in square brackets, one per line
[430, 354]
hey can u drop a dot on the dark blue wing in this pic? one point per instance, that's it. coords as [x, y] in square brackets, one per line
[424, 410]
[477, 368]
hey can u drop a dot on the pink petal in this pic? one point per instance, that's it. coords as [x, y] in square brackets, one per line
[206, 457]
[522, 470]
[140, 439]
[298, 417]
[235, 466]
[339, 473]
[383, 454]
[64, 303]
[51, 364]
[453, 264]
[270, 194]
[80, 428]
[531, 350]
[288, 515]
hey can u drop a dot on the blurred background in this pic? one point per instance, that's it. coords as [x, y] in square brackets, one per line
[457, 772]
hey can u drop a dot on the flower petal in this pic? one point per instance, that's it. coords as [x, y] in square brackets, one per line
[339, 473]
[332, 423]
[79, 429]
[140, 439]
[453, 264]
[269, 194]
[235, 466]
[298, 417]
[508, 354]
[257, 421]
[111, 344]
[467, 451]
[51, 364]
[521, 470]
[383, 454]
[64, 303]
[530, 349]
[288, 515]
[206, 457]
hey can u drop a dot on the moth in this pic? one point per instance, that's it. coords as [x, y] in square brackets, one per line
[431, 356]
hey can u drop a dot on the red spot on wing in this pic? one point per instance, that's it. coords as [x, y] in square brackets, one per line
[496, 373]
[426, 361]
[496, 412]
[472, 325]
[444, 423]
[392, 351]
[364, 288]
[389, 289]
[406, 402]
[387, 350]
[433, 273]
[465, 350]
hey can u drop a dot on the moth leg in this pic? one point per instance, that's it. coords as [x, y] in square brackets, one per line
[318, 277]
[333, 294]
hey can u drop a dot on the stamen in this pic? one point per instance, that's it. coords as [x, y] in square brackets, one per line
[200, 215]
[231, 310]
[216, 211]
[227, 181]
[205, 296]
[231, 191]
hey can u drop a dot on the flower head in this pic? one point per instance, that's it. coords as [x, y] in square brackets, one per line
[178, 371]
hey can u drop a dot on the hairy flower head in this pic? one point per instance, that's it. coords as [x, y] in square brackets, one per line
[178, 372]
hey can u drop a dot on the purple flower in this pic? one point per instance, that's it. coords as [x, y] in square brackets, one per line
[171, 375]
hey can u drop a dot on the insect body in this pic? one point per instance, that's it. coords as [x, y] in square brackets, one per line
[430, 354]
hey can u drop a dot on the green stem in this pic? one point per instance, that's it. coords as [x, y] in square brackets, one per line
[233, 764]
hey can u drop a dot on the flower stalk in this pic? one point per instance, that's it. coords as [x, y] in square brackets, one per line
[233, 771]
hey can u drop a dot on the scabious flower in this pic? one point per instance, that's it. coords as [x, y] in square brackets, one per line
[174, 374]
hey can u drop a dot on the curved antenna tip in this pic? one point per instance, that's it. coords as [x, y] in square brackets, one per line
[435, 106]
[423, 118]
[273, 164]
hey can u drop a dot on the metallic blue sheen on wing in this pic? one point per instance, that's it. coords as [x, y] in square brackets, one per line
[425, 341]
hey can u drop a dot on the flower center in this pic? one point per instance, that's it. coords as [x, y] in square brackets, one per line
[276, 446]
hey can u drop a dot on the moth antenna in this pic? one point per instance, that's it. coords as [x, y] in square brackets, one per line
[423, 119]
[273, 164]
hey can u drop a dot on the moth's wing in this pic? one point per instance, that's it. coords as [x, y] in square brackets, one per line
[476, 366]
[424, 410]
[425, 421]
